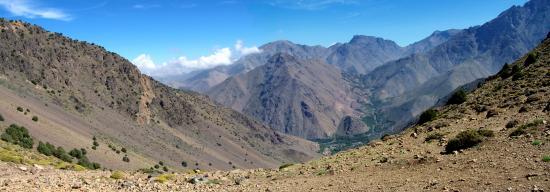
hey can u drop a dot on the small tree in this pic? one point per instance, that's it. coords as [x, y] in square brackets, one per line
[184, 163]
[464, 140]
[126, 159]
[531, 58]
[458, 97]
[18, 135]
[76, 153]
[427, 116]
[44, 149]
[123, 150]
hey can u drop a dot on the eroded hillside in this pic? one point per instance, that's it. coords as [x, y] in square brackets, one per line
[80, 91]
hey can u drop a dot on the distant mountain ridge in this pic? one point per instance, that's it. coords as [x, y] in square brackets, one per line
[360, 55]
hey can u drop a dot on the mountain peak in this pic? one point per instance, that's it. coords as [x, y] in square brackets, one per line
[281, 58]
[364, 39]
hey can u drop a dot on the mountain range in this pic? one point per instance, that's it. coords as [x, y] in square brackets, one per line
[369, 82]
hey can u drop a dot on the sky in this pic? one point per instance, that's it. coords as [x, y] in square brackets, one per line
[199, 34]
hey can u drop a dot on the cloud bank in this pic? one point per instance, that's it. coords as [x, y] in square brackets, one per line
[27, 8]
[182, 64]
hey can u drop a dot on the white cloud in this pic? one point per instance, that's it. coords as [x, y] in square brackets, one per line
[144, 61]
[182, 64]
[242, 50]
[308, 4]
[25, 8]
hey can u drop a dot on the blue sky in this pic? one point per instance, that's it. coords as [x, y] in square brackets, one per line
[200, 33]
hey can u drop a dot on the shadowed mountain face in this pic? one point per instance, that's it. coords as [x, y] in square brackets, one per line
[104, 95]
[410, 85]
[307, 98]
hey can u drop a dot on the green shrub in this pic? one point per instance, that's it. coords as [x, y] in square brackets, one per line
[165, 169]
[427, 116]
[45, 148]
[184, 163]
[486, 132]
[76, 153]
[519, 131]
[512, 123]
[546, 158]
[61, 154]
[458, 97]
[161, 163]
[117, 175]
[95, 143]
[285, 166]
[434, 136]
[531, 58]
[18, 135]
[505, 72]
[518, 75]
[164, 177]
[464, 140]
[126, 159]
[536, 142]
[35, 118]
[83, 151]
[123, 150]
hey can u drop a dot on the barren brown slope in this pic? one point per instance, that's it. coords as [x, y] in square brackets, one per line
[305, 98]
[79, 90]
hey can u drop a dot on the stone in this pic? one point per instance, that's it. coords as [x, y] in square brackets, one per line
[198, 180]
[23, 168]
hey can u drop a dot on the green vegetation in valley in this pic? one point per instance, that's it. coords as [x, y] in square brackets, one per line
[18, 135]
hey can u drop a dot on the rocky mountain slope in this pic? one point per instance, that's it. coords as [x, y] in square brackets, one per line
[79, 91]
[306, 98]
[329, 95]
[406, 87]
[508, 136]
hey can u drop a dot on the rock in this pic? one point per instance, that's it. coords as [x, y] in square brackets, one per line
[23, 168]
[241, 181]
[76, 185]
[39, 167]
[198, 180]
[414, 135]
[491, 113]
[127, 184]
[537, 189]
